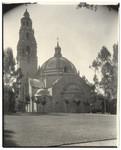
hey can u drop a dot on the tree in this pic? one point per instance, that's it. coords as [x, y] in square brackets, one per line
[107, 68]
[19, 105]
[27, 101]
[43, 102]
[93, 95]
[95, 7]
[114, 80]
[95, 65]
[115, 54]
[103, 64]
[11, 78]
[9, 101]
[101, 102]
[56, 103]
[66, 100]
[33, 100]
[104, 55]
[93, 87]
[77, 101]
[16, 88]
[9, 61]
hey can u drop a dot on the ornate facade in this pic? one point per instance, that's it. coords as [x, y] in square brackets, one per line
[58, 76]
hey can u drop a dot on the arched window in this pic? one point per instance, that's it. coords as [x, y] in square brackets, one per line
[27, 35]
[65, 69]
[28, 50]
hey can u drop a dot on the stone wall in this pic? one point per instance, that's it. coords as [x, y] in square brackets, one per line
[29, 68]
[66, 81]
[50, 79]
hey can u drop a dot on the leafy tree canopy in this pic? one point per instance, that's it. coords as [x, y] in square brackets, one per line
[9, 61]
[104, 54]
[95, 7]
[12, 77]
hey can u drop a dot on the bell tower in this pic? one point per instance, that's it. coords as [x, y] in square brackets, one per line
[27, 47]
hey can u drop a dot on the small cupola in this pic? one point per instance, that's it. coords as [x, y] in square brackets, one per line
[26, 14]
[26, 21]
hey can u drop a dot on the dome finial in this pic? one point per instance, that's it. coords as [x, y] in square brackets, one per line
[26, 14]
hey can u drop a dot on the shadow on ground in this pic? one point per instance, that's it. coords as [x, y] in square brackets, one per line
[7, 139]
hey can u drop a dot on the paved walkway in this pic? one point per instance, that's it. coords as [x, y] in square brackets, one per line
[112, 143]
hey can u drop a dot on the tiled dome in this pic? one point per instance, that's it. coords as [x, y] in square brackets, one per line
[59, 63]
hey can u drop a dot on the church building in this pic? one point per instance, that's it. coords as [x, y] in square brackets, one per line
[57, 78]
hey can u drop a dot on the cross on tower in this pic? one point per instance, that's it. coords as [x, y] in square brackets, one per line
[26, 6]
[57, 41]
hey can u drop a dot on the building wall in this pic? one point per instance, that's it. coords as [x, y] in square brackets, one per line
[57, 103]
[58, 87]
[50, 79]
[47, 107]
[29, 68]
[23, 90]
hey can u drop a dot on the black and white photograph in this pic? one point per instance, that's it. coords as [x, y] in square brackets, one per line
[60, 74]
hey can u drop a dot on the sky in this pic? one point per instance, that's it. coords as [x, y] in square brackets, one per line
[81, 32]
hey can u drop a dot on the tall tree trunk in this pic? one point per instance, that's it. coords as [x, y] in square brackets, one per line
[67, 107]
[94, 105]
[104, 105]
[90, 108]
[104, 100]
[55, 108]
[43, 109]
[76, 108]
